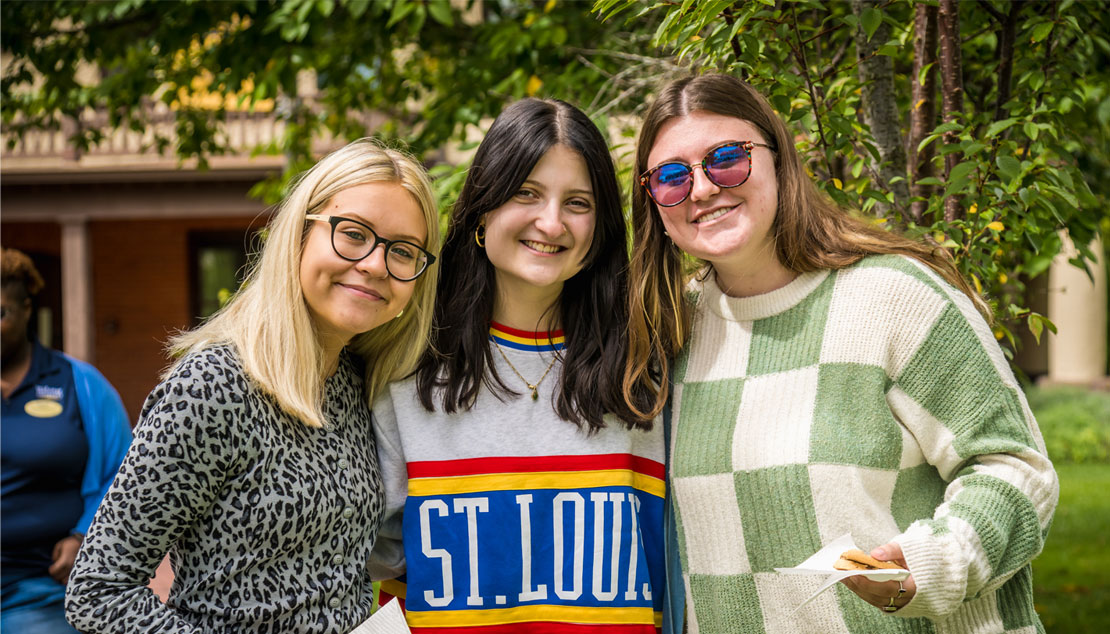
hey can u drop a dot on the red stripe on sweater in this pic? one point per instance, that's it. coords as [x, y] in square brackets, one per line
[534, 464]
[543, 627]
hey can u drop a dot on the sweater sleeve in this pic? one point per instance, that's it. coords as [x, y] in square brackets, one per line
[959, 399]
[184, 447]
[387, 561]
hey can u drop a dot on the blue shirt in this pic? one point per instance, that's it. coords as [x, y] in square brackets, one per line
[43, 455]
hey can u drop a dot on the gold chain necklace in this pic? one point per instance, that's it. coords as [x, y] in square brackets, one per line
[531, 386]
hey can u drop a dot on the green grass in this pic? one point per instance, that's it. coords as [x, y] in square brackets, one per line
[1075, 422]
[1071, 578]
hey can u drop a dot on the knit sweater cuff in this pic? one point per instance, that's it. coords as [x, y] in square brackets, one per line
[939, 569]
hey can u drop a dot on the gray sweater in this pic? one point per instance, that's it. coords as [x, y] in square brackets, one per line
[268, 522]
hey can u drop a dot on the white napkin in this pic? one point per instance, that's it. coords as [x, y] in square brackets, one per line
[822, 563]
[387, 620]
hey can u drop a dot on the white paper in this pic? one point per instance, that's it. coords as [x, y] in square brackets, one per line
[387, 620]
[821, 563]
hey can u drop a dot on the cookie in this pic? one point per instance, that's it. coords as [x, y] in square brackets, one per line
[859, 560]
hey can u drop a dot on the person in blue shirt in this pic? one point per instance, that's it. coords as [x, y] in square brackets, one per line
[63, 434]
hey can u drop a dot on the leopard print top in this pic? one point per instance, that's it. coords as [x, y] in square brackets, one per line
[268, 522]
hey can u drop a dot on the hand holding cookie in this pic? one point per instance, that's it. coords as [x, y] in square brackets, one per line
[888, 596]
[858, 560]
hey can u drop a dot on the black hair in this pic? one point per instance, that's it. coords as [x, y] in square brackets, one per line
[592, 304]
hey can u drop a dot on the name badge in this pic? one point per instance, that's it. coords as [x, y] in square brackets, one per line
[43, 408]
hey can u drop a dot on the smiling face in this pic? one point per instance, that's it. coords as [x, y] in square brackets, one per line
[730, 228]
[537, 240]
[349, 298]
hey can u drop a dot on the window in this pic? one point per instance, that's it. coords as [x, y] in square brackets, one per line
[218, 263]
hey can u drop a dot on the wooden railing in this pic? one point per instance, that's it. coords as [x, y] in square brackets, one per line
[242, 132]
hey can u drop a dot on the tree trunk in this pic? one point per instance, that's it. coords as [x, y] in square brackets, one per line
[880, 109]
[923, 110]
[1006, 57]
[952, 90]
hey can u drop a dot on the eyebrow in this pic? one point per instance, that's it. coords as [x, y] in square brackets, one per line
[534, 183]
[679, 159]
[396, 238]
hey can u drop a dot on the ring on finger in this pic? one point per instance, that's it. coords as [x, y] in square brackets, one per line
[890, 607]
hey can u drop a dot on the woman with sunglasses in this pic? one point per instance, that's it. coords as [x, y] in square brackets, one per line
[829, 378]
[254, 463]
[522, 492]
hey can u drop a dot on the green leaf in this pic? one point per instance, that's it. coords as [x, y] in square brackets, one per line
[951, 126]
[926, 141]
[1041, 31]
[1036, 79]
[1103, 112]
[1065, 194]
[889, 50]
[401, 10]
[998, 126]
[840, 124]
[1031, 130]
[357, 7]
[961, 170]
[1008, 167]
[923, 72]
[870, 20]
[1037, 323]
[440, 10]
[972, 147]
[959, 178]
[879, 196]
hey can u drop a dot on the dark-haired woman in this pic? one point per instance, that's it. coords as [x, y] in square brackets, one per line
[523, 493]
[63, 434]
[831, 378]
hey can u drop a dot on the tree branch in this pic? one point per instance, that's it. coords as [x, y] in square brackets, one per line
[800, 54]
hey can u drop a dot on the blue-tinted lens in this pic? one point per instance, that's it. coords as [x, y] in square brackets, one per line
[670, 183]
[728, 165]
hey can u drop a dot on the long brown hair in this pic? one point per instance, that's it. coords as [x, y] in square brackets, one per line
[592, 304]
[810, 231]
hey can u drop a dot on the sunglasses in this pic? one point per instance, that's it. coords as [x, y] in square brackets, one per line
[727, 165]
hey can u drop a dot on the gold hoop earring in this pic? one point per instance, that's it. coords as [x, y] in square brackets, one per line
[480, 236]
[400, 313]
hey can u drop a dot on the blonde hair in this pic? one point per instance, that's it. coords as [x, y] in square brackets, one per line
[268, 320]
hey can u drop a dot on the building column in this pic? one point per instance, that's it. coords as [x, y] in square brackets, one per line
[1077, 305]
[77, 306]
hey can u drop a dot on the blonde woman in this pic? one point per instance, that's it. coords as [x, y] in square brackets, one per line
[254, 462]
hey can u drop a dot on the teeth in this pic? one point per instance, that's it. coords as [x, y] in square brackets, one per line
[543, 248]
[715, 214]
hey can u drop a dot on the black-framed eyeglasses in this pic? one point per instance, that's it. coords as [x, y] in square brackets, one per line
[354, 241]
[727, 165]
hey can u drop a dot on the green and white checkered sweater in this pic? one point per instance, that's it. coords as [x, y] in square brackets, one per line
[874, 401]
